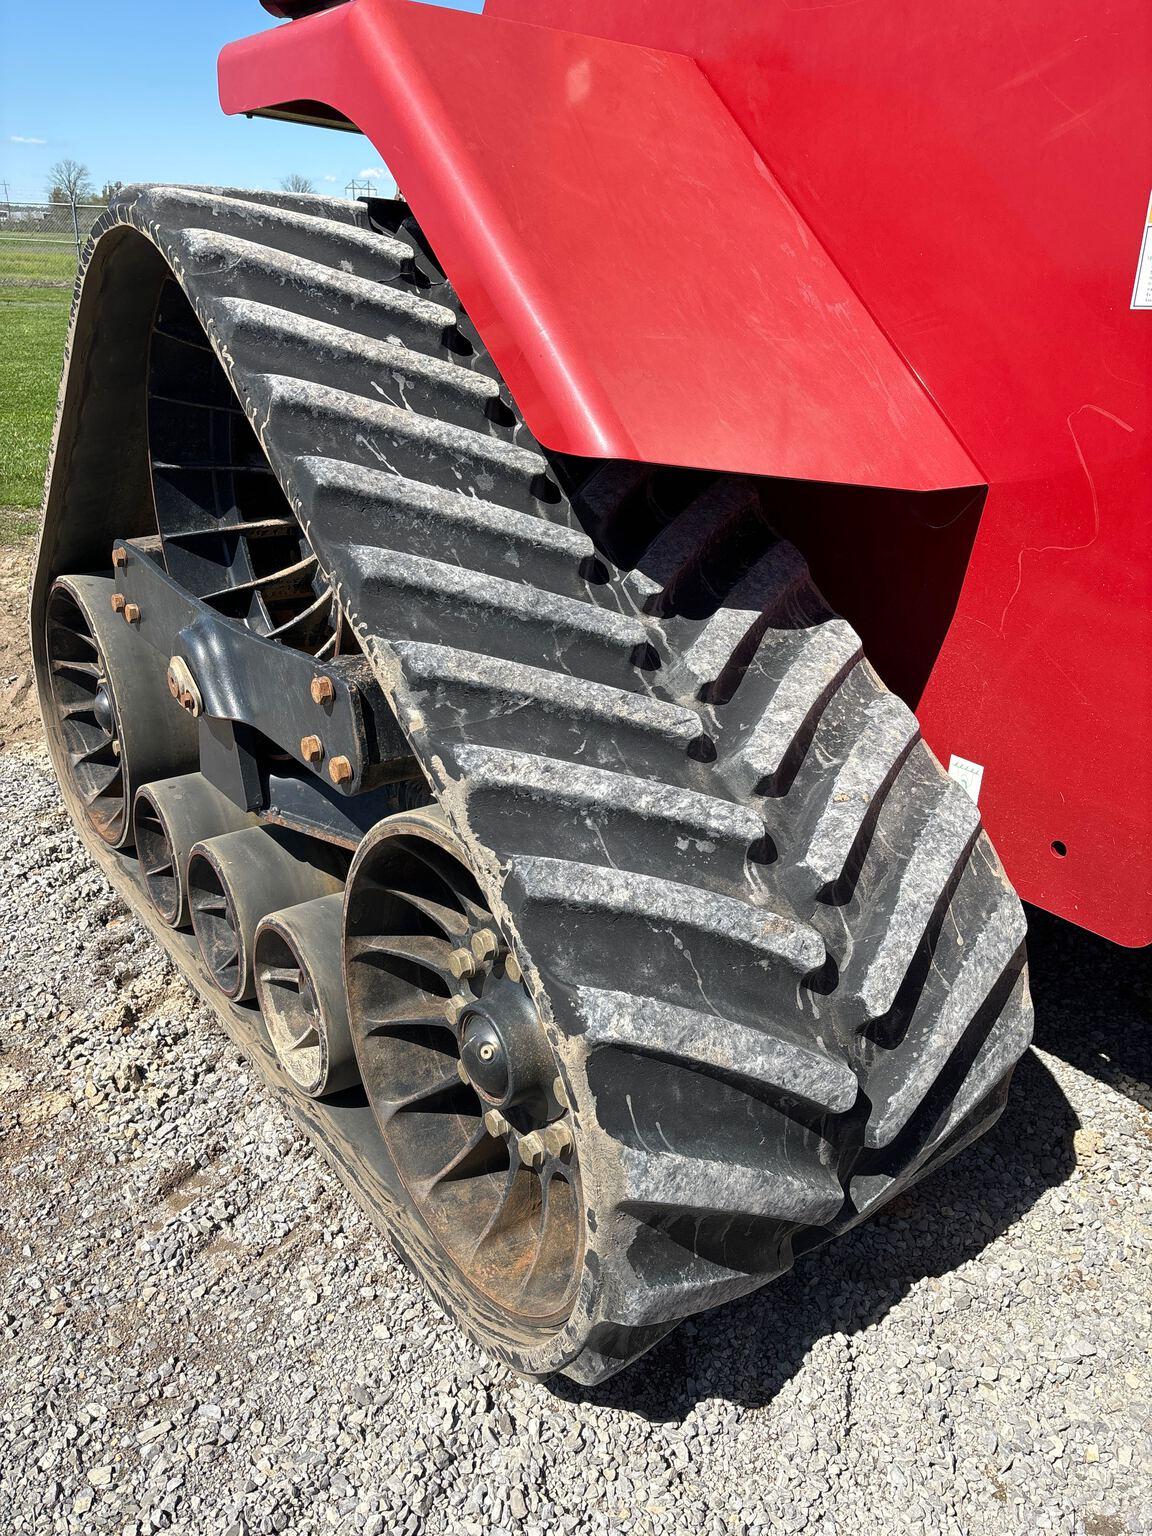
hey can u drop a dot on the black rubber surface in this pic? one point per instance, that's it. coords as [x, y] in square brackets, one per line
[777, 958]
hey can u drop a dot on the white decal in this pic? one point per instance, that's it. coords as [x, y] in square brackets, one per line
[1142, 292]
[967, 775]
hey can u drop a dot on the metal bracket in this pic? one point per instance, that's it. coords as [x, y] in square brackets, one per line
[331, 717]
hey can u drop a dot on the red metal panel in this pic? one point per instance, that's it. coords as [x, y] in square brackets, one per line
[645, 286]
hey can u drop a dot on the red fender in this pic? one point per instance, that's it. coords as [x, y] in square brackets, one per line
[641, 279]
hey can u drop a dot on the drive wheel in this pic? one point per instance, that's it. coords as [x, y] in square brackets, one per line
[461, 1077]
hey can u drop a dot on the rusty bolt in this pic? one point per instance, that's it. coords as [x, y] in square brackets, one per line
[485, 946]
[119, 601]
[323, 690]
[461, 963]
[131, 613]
[312, 749]
[119, 555]
[183, 687]
[340, 770]
[495, 1123]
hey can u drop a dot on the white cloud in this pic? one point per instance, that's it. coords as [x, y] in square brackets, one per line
[328, 177]
[373, 173]
[21, 138]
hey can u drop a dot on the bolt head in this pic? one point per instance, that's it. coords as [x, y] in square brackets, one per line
[119, 602]
[311, 749]
[454, 1007]
[485, 946]
[131, 613]
[531, 1149]
[557, 1138]
[461, 963]
[495, 1123]
[512, 969]
[340, 770]
[119, 556]
[323, 690]
[560, 1093]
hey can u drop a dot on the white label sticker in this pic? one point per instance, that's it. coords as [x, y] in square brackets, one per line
[1142, 292]
[967, 775]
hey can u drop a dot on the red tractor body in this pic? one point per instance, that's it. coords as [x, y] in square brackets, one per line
[886, 253]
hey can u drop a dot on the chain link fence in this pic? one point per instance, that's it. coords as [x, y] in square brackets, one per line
[40, 243]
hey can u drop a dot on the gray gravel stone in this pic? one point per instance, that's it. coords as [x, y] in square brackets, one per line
[202, 1335]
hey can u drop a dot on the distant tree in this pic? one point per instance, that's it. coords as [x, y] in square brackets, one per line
[297, 183]
[109, 190]
[70, 182]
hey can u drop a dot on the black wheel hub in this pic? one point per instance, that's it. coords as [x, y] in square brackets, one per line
[503, 1049]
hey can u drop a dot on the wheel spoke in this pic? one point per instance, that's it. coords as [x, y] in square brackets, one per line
[283, 976]
[92, 754]
[101, 789]
[418, 948]
[425, 1097]
[458, 881]
[447, 919]
[480, 1155]
[495, 1221]
[81, 668]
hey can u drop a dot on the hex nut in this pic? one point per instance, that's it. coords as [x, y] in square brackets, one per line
[131, 613]
[119, 556]
[323, 690]
[454, 1006]
[532, 1149]
[495, 1123]
[461, 963]
[557, 1138]
[485, 946]
[512, 969]
[312, 749]
[340, 770]
[119, 602]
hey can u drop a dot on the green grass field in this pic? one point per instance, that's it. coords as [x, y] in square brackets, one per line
[35, 296]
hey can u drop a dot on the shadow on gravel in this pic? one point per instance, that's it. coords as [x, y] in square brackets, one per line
[1092, 1009]
[1093, 1004]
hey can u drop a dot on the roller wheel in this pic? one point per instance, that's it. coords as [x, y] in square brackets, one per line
[116, 725]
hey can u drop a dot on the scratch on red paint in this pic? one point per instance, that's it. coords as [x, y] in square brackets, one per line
[1044, 549]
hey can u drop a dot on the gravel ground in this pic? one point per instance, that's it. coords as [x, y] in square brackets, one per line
[202, 1335]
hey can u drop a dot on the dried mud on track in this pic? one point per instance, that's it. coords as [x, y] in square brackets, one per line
[202, 1335]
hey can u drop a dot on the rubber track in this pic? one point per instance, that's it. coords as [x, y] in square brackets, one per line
[783, 964]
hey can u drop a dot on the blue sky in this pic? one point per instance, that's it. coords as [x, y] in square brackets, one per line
[129, 88]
